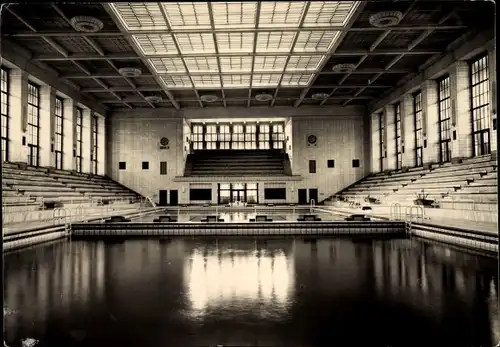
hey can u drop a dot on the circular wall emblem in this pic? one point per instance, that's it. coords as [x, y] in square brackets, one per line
[312, 139]
[164, 141]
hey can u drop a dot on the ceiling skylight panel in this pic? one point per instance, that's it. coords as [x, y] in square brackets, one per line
[274, 41]
[304, 62]
[140, 15]
[263, 80]
[155, 43]
[177, 81]
[236, 64]
[329, 13]
[236, 80]
[269, 63]
[296, 79]
[234, 14]
[235, 42]
[196, 43]
[206, 81]
[279, 14]
[165, 65]
[187, 15]
[315, 41]
[201, 64]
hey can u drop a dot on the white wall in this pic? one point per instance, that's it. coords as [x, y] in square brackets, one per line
[134, 140]
[340, 139]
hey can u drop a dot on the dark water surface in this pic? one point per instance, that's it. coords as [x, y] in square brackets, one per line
[246, 292]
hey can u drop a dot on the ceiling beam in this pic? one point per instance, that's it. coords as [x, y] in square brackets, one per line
[393, 62]
[66, 33]
[212, 24]
[158, 88]
[358, 71]
[331, 52]
[177, 46]
[94, 45]
[373, 46]
[138, 100]
[292, 48]
[132, 56]
[139, 56]
[463, 48]
[61, 50]
[254, 51]
[21, 57]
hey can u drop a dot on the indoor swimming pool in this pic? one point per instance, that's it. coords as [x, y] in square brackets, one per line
[250, 292]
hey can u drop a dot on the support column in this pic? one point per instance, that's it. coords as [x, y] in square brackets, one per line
[47, 135]
[101, 141]
[18, 116]
[430, 120]
[69, 138]
[86, 140]
[492, 69]
[390, 137]
[375, 143]
[408, 131]
[461, 110]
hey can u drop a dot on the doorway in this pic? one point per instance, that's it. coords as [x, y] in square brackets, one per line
[313, 195]
[162, 198]
[174, 197]
[238, 196]
[302, 196]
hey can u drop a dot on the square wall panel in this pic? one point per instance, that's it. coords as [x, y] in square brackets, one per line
[193, 15]
[195, 42]
[176, 81]
[235, 42]
[236, 80]
[329, 13]
[206, 81]
[281, 14]
[275, 41]
[316, 41]
[236, 64]
[201, 64]
[151, 44]
[270, 63]
[140, 15]
[234, 14]
[296, 79]
[304, 62]
[165, 65]
[264, 80]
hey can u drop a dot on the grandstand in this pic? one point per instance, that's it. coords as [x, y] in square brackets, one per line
[351, 104]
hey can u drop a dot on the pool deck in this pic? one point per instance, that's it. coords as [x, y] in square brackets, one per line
[486, 227]
[274, 212]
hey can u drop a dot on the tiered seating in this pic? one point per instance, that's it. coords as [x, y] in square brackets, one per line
[474, 179]
[30, 186]
[236, 163]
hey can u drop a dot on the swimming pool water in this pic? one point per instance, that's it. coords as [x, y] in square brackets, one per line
[248, 292]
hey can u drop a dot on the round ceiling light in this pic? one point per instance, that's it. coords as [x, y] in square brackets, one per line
[208, 98]
[386, 19]
[129, 72]
[344, 68]
[153, 99]
[320, 96]
[86, 24]
[263, 97]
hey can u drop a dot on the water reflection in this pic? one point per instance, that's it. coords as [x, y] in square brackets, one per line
[187, 292]
[238, 279]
